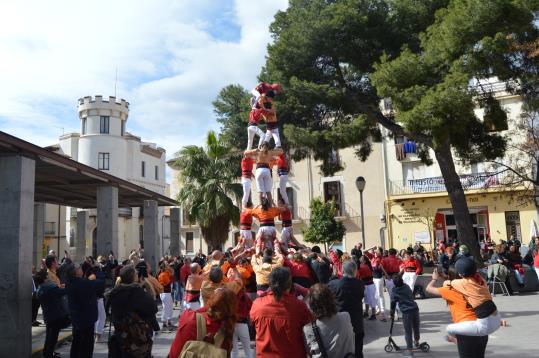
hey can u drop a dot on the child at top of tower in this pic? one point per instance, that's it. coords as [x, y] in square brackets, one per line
[264, 88]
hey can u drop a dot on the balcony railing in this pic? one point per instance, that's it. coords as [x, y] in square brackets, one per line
[437, 184]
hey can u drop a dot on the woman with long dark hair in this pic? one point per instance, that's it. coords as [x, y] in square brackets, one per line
[219, 312]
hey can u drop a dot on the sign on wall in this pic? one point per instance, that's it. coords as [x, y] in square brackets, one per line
[469, 181]
[422, 237]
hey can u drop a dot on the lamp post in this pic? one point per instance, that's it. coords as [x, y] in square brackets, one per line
[360, 185]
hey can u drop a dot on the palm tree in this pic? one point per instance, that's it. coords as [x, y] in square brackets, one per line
[209, 188]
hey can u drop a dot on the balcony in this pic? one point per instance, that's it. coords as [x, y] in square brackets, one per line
[405, 150]
[437, 184]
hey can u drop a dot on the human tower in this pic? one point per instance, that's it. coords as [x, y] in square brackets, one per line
[263, 109]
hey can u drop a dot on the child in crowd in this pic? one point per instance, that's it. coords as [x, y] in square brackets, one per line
[403, 296]
[475, 291]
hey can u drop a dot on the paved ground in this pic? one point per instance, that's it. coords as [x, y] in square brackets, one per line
[518, 340]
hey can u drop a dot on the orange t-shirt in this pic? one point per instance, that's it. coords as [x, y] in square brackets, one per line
[460, 311]
[266, 217]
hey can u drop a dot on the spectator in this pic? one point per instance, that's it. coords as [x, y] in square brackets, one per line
[54, 313]
[133, 316]
[177, 287]
[320, 265]
[35, 300]
[279, 318]
[349, 293]
[52, 265]
[220, 312]
[515, 264]
[82, 302]
[300, 270]
[334, 328]
[404, 297]
[165, 278]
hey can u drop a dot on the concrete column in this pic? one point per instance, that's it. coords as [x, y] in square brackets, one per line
[83, 234]
[151, 233]
[39, 233]
[17, 182]
[107, 220]
[175, 231]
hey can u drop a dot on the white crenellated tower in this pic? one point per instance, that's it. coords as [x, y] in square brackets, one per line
[103, 124]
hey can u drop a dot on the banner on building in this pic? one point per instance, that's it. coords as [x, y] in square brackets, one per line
[422, 237]
[468, 181]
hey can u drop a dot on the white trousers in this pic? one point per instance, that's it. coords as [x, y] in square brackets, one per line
[246, 183]
[409, 279]
[248, 236]
[241, 332]
[263, 180]
[166, 300]
[481, 327]
[283, 179]
[101, 317]
[192, 305]
[369, 295]
[251, 131]
[286, 235]
[275, 134]
[379, 294]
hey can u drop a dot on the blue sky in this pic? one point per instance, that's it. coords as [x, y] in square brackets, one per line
[172, 59]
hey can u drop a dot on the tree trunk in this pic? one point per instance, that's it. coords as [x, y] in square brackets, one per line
[465, 232]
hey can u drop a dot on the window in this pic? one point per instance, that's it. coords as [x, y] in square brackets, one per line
[143, 169]
[156, 172]
[332, 191]
[449, 220]
[103, 161]
[291, 201]
[123, 128]
[512, 224]
[83, 130]
[189, 242]
[104, 124]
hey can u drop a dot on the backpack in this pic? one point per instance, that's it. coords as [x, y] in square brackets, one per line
[202, 348]
[133, 336]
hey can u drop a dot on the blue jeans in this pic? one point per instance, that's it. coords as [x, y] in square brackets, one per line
[177, 294]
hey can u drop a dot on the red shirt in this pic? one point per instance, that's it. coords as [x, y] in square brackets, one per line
[264, 87]
[286, 217]
[255, 115]
[266, 217]
[391, 264]
[185, 271]
[279, 326]
[536, 260]
[187, 330]
[246, 219]
[337, 264]
[411, 265]
[365, 273]
[247, 167]
[298, 269]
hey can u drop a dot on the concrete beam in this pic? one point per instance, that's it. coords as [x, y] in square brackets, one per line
[175, 231]
[151, 233]
[83, 234]
[39, 234]
[17, 179]
[107, 220]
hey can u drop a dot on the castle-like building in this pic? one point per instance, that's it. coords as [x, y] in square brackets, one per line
[104, 143]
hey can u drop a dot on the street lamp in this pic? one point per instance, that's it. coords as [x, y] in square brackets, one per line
[360, 185]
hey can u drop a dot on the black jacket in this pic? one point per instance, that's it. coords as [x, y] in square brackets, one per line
[82, 300]
[348, 298]
[321, 270]
[404, 297]
[51, 298]
[124, 299]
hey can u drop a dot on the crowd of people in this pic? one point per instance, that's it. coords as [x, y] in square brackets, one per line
[318, 301]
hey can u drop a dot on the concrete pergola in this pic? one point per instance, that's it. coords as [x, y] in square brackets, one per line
[31, 176]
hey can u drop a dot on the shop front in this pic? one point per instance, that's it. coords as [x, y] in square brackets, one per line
[429, 218]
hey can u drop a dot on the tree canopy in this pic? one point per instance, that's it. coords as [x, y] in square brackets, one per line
[208, 187]
[337, 59]
[232, 110]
